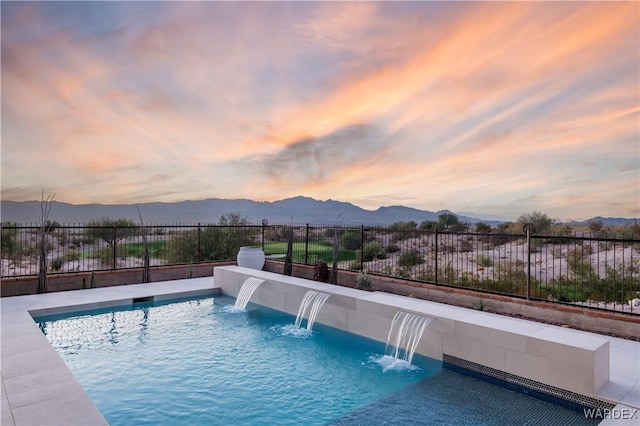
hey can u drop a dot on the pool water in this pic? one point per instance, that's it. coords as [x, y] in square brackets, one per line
[197, 362]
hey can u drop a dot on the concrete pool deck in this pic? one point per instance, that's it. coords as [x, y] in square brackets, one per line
[38, 389]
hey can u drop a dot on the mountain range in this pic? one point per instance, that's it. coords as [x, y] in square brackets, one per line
[291, 210]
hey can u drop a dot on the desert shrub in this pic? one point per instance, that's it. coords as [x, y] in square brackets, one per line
[447, 248]
[447, 275]
[105, 256]
[605, 245]
[363, 280]
[426, 274]
[562, 230]
[392, 248]
[404, 230]
[596, 227]
[351, 240]
[373, 251]
[579, 264]
[512, 277]
[465, 246]
[483, 228]
[429, 225]
[410, 258]
[631, 231]
[485, 261]
[71, 256]
[387, 270]
[56, 264]
[63, 240]
[9, 244]
[355, 265]
[403, 272]
[321, 272]
[51, 226]
[536, 244]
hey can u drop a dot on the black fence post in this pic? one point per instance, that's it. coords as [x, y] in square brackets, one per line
[265, 222]
[115, 232]
[436, 257]
[528, 229]
[362, 247]
[306, 246]
[199, 243]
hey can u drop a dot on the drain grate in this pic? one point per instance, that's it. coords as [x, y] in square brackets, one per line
[539, 390]
[137, 300]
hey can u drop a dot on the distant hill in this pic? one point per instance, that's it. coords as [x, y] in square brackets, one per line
[291, 210]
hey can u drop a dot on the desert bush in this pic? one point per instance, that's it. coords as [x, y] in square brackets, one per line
[321, 272]
[483, 228]
[373, 251]
[579, 264]
[404, 230]
[403, 272]
[363, 280]
[596, 227]
[605, 245]
[447, 248]
[355, 265]
[410, 258]
[392, 248]
[465, 245]
[561, 230]
[56, 263]
[447, 275]
[387, 270]
[351, 240]
[71, 256]
[9, 244]
[429, 225]
[511, 276]
[426, 274]
[485, 261]
[51, 226]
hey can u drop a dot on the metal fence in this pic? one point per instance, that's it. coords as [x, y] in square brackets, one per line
[595, 272]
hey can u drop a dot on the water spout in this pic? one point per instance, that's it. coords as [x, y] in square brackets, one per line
[404, 335]
[250, 285]
[311, 302]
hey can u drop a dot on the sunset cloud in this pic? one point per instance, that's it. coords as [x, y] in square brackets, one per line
[498, 108]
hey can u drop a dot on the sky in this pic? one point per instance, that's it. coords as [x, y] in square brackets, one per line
[493, 108]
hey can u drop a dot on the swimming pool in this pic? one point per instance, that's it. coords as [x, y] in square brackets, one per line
[193, 362]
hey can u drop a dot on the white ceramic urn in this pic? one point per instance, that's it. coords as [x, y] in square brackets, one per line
[251, 257]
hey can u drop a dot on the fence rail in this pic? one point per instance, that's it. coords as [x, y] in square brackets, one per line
[592, 271]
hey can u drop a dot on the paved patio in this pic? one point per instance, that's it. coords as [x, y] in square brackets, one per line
[38, 388]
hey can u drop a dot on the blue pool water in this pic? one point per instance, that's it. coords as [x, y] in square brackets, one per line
[198, 363]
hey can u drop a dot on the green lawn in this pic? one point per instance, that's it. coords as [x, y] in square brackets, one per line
[137, 249]
[317, 252]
